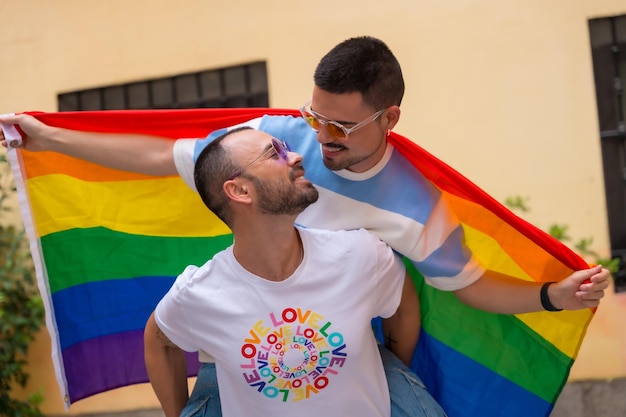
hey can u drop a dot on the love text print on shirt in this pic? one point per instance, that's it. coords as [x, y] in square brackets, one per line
[293, 356]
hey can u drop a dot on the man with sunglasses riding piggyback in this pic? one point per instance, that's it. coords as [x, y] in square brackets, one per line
[362, 182]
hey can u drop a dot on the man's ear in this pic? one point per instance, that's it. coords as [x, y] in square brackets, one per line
[237, 190]
[392, 117]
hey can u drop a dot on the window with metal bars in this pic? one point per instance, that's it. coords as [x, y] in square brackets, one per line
[235, 86]
[608, 47]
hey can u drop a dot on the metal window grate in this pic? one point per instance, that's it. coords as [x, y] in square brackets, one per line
[235, 86]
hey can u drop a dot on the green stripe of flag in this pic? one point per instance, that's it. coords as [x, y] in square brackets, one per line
[506, 354]
[77, 256]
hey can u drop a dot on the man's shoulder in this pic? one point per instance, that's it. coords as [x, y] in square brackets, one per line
[275, 125]
[284, 127]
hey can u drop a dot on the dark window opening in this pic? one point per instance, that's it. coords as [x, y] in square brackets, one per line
[608, 47]
[236, 86]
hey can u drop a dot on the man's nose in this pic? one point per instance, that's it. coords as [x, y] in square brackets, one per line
[323, 136]
[294, 158]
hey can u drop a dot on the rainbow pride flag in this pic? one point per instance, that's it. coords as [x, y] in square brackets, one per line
[108, 244]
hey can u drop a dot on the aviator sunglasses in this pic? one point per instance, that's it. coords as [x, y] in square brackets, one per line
[279, 147]
[335, 129]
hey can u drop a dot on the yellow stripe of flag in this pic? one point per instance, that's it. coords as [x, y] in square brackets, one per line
[151, 207]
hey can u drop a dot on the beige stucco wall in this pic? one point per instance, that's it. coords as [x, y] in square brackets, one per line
[501, 90]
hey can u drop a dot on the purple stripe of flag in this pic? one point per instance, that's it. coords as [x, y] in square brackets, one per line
[109, 362]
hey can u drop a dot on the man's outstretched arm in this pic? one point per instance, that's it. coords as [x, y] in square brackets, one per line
[147, 155]
[499, 293]
[167, 369]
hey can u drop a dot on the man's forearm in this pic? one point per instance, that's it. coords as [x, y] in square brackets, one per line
[135, 153]
[498, 293]
[167, 371]
[143, 154]
[401, 331]
[502, 294]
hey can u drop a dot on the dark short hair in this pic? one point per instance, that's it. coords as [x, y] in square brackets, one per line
[213, 167]
[365, 65]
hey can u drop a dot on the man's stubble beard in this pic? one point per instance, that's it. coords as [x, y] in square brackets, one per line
[276, 198]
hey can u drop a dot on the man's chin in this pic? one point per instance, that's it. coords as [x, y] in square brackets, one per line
[333, 164]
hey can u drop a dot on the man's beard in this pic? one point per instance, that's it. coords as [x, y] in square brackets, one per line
[280, 197]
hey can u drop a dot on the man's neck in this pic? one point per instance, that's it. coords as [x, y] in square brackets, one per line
[270, 250]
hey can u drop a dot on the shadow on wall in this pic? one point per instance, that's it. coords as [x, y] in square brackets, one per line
[592, 398]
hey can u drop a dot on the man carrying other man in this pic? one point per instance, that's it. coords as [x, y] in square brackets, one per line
[285, 311]
[363, 183]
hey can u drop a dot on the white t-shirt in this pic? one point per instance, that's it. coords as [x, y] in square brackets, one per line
[303, 346]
